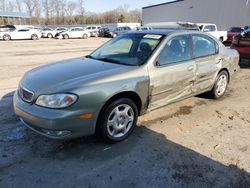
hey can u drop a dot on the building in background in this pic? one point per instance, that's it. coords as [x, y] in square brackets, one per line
[223, 13]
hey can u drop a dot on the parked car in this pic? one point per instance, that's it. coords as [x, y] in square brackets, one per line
[74, 32]
[119, 30]
[231, 33]
[104, 32]
[51, 33]
[241, 43]
[173, 25]
[142, 28]
[128, 76]
[94, 30]
[7, 28]
[19, 34]
[246, 29]
[212, 30]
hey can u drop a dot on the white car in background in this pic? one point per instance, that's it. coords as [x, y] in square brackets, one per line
[20, 34]
[51, 33]
[94, 30]
[74, 32]
[212, 30]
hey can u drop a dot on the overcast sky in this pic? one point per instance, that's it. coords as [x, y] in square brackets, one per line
[104, 5]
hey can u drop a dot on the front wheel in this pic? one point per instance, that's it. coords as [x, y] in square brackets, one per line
[118, 120]
[6, 37]
[220, 85]
[66, 36]
[34, 37]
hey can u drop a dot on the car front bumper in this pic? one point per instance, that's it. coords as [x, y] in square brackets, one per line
[54, 123]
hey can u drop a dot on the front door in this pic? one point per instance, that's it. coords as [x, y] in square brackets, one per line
[173, 75]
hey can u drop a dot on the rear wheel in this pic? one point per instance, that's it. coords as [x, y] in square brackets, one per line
[6, 37]
[220, 85]
[34, 37]
[118, 120]
[49, 35]
[85, 36]
[221, 39]
[66, 36]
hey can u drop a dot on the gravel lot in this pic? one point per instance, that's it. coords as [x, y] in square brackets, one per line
[194, 143]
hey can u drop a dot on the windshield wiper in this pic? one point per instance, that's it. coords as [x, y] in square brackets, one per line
[89, 56]
[109, 60]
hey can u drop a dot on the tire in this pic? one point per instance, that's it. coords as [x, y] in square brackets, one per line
[66, 36]
[220, 85]
[221, 39]
[6, 37]
[118, 120]
[85, 36]
[34, 37]
[50, 35]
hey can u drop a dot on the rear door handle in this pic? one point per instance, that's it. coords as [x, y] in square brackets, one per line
[190, 68]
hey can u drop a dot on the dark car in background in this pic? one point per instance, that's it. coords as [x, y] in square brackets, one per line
[233, 31]
[104, 32]
[241, 43]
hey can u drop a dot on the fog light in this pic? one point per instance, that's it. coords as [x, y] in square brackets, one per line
[56, 133]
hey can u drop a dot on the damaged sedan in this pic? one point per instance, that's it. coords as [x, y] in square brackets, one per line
[130, 75]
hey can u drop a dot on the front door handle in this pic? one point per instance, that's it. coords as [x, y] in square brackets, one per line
[219, 60]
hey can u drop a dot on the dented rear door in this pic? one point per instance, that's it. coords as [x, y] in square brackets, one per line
[173, 73]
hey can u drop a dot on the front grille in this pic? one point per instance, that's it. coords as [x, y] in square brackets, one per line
[26, 94]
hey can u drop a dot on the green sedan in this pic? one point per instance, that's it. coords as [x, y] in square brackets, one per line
[130, 75]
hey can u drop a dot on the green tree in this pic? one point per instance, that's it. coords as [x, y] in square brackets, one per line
[121, 19]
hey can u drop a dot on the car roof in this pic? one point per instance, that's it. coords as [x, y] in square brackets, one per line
[163, 31]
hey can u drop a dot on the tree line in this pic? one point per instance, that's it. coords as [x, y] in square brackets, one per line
[62, 12]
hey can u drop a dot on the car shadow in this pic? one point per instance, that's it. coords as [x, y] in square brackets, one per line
[145, 159]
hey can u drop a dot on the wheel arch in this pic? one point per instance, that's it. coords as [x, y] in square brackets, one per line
[125, 94]
[225, 69]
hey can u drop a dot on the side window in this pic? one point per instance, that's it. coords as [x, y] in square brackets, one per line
[176, 50]
[204, 46]
[212, 28]
[207, 28]
[23, 30]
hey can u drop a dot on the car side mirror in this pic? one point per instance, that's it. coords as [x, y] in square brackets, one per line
[157, 63]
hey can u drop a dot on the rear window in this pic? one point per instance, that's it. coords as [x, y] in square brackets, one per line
[236, 30]
[204, 46]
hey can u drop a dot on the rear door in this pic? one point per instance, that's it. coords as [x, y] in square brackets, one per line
[208, 61]
[173, 74]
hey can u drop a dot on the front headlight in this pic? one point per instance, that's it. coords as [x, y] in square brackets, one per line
[56, 100]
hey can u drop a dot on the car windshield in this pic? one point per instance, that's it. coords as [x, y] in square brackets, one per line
[132, 49]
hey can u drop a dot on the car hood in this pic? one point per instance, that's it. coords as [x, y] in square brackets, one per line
[69, 74]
